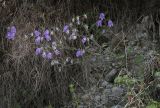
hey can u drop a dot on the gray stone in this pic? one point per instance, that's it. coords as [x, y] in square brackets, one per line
[117, 106]
[111, 75]
[105, 84]
[107, 91]
[109, 86]
[117, 91]
[97, 98]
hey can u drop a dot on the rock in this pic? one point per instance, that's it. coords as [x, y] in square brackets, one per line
[97, 98]
[116, 95]
[107, 91]
[117, 91]
[117, 106]
[105, 84]
[111, 75]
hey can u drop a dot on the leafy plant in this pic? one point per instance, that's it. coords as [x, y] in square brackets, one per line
[153, 104]
[125, 80]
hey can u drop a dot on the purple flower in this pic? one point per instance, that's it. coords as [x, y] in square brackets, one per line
[80, 53]
[49, 55]
[102, 16]
[38, 51]
[84, 39]
[11, 33]
[38, 40]
[46, 32]
[110, 23]
[66, 28]
[57, 52]
[37, 33]
[99, 23]
[47, 35]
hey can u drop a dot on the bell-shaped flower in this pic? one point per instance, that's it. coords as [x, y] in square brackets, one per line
[49, 55]
[84, 39]
[38, 51]
[57, 52]
[47, 35]
[80, 53]
[10, 36]
[38, 40]
[11, 33]
[46, 32]
[66, 28]
[37, 33]
[110, 23]
[102, 16]
[99, 23]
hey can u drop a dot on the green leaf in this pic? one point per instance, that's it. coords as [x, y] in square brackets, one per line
[71, 88]
[152, 106]
[157, 74]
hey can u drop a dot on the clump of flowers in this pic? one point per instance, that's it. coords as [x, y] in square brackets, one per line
[102, 20]
[69, 43]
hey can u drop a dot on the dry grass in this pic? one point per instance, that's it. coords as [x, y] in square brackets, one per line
[30, 81]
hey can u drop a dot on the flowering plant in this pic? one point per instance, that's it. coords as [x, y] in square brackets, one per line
[70, 43]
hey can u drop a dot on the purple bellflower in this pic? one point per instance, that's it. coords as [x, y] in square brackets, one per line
[99, 23]
[47, 35]
[57, 52]
[38, 40]
[110, 23]
[102, 16]
[11, 33]
[66, 28]
[80, 53]
[84, 39]
[37, 33]
[48, 38]
[38, 51]
[49, 55]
